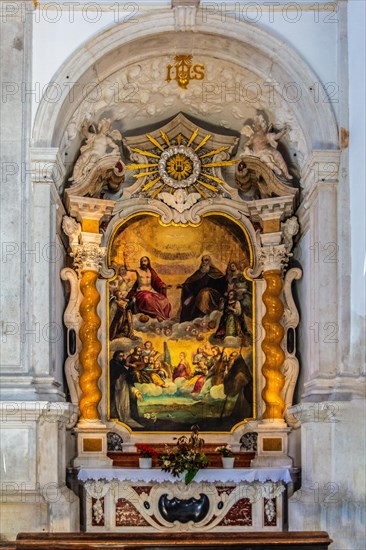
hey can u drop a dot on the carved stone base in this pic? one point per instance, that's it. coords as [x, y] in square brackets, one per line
[272, 445]
[92, 445]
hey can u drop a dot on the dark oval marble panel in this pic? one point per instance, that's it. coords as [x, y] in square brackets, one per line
[176, 509]
[72, 341]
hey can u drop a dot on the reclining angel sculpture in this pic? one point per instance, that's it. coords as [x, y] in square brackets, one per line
[262, 143]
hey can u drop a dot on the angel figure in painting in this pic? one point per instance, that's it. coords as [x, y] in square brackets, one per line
[97, 144]
[182, 370]
[262, 143]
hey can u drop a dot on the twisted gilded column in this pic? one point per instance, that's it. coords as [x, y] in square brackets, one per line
[85, 237]
[271, 346]
[87, 260]
[273, 259]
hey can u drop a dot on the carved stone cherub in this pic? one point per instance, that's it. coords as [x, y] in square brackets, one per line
[262, 143]
[97, 144]
[72, 229]
[290, 228]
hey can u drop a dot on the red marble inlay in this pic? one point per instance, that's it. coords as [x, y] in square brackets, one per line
[128, 515]
[142, 489]
[269, 505]
[224, 489]
[97, 509]
[239, 514]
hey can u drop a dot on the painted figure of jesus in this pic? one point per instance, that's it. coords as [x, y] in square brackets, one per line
[149, 292]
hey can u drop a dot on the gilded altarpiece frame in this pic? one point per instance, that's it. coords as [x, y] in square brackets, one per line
[187, 335]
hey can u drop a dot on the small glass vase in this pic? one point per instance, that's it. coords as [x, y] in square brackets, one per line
[145, 462]
[228, 461]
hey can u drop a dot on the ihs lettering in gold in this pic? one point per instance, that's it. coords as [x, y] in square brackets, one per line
[183, 71]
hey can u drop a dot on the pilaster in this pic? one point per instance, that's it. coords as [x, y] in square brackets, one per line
[34, 495]
[15, 194]
[333, 486]
[329, 374]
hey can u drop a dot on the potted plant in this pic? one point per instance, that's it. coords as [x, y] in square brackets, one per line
[227, 456]
[146, 455]
[186, 457]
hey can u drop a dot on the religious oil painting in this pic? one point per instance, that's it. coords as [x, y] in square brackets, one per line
[180, 326]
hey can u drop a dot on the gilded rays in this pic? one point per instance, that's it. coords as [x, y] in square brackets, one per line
[180, 163]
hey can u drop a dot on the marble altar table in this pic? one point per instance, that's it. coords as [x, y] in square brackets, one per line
[150, 500]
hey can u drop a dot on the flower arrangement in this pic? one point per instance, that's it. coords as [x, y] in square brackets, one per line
[146, 451]
[187, 456]
[224, 450]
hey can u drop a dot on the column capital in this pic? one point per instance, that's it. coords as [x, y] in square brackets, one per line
[273, 257]
[88, 257]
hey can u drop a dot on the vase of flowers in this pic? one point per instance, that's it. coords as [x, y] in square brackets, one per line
[227, 456]
[187, 457]
[146, 455]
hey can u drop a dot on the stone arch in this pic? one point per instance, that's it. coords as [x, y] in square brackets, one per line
[249, 47]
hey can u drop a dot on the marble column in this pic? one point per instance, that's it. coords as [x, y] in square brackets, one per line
[88, 255]
[272, 256]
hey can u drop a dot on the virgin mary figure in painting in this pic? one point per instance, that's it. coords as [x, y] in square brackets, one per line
[148, 294]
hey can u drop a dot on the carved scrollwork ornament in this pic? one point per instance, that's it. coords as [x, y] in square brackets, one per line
[290, 368]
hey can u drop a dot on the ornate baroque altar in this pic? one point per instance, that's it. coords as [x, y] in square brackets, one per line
[181, 312]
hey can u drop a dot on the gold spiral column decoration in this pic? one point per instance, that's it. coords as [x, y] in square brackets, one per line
[91, 347]
[88, 257]
[271, 346]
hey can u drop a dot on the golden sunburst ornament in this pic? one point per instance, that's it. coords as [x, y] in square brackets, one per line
[180, 163]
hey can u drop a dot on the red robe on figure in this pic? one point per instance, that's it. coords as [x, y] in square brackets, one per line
[153, 304]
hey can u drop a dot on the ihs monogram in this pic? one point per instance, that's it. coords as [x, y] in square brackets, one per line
[183, 71]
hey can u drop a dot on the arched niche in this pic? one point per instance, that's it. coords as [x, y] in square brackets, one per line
[175, 252]
[132, 60]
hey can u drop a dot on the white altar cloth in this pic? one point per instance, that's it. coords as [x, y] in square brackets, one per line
[210, 475]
